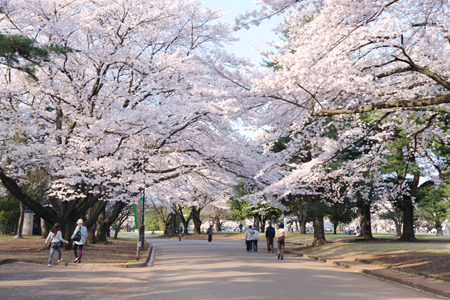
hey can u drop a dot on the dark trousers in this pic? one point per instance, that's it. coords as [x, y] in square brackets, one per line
[255, 245]
[249, 245]
[79, 249]
[281, 248]
[269, 244]
[209, 238]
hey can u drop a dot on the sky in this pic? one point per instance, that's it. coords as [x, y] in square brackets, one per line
[256, 35]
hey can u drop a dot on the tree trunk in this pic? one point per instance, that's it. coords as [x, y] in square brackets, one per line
[303, 222]
[319, 231]
[101, 230]
[361, 218]
[170, 224]
[335, 227]
[218, 223]
[21, 220]
[195, 213]
[408, 220]
[116, 232]
[439, 229]
[367, 224]
[91, 239]
[44, 229]
[68, 227]
[398, 228]
[263, 224]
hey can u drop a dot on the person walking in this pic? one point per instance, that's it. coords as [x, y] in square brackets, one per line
[270, 234]
[180, 232]
[209, 232]
[55, 238]
[281, 237]
[249, 238]
[255, 240]
[78, 244]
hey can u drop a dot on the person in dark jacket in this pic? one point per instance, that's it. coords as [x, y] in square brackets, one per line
[209, 232]
[180, 232]
[270, 234]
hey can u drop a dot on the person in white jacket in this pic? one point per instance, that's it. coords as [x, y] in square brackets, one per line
[55, 238]
[78, 245]
[249, 238]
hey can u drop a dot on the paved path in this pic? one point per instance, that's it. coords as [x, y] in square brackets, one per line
[193, 269]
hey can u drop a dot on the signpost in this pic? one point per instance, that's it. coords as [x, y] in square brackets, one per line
[139, 222]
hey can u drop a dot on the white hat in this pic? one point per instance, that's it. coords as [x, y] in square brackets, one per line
[80, 221]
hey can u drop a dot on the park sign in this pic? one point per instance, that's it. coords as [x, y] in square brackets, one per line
[138, 212]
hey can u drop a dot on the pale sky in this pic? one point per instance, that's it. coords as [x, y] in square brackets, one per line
[256, 35]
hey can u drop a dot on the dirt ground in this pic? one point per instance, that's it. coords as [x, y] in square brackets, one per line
[115, 251]
[426, 257]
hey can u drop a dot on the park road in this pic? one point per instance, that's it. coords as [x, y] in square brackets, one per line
[198, 270]
[223, 270]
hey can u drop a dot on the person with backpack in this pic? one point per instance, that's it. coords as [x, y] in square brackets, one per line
[209, 232]
[55, 238]
[79, 239]
[281, 237]
[249, 238]
[270, 234]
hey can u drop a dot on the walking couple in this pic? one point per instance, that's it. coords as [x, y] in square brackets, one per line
[280, 235]
[251, 239]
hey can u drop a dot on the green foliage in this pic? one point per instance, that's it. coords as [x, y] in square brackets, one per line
[341, 212]
[9, 214]
[433, 204]
[152, 219]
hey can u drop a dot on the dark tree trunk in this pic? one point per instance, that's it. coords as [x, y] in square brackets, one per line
[408, 220]
[319, 231]
[184, 220]
[101, 230]
[367, 224]
[439, 229]
[303, 222]
[170, 224]
[104, 223]
[91, 239]
[218, 224]
[21, 219]
[361, 218]
[335, 228]
[195, 213]
[44, 229]
[398, 228]
[116, 232]
[262, 227]
[68, 227]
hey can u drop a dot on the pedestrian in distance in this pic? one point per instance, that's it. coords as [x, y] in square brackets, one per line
[240, 227]
[209, 232]
[55, 238]
[79, 239]
[255, 240]
[180, 232]
[281, 237]
[270, 234]
[249, 238]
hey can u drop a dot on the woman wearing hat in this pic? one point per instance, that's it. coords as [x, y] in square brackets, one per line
[55, 236]
[78, 245]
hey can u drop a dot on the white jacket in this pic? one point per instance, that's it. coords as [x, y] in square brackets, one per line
[249, 234]
[83, 231]
[54, 239]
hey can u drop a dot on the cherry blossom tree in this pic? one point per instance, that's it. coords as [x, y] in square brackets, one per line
[134, 103]
[341, 58]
